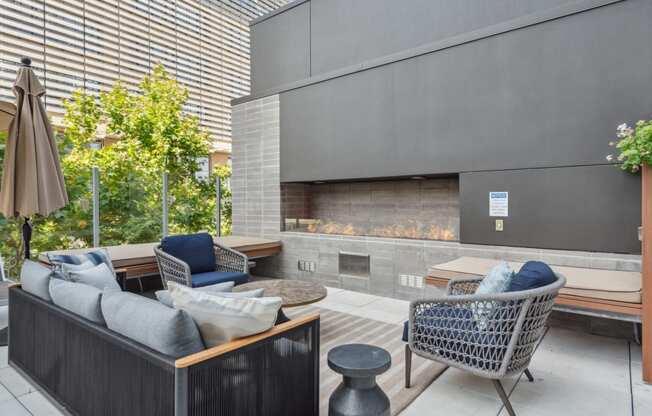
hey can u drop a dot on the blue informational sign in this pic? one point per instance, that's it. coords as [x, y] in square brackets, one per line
[498, 204]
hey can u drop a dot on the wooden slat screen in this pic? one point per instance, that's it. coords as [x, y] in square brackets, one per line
[92, 43]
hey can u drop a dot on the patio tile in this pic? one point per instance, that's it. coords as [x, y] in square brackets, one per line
[445, 399]
[13, 408]
[5, 394]
[352, 298]
[475, 384]
[38, 405]
[641, 392]
[4, 357]
[17, 385]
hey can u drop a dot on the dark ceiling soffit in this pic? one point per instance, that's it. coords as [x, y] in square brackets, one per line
[275, 12]
[533, 19]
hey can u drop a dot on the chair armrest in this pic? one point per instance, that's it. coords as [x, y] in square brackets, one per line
[463, 286]
[220, 350]
[172, 268]
[229, 260]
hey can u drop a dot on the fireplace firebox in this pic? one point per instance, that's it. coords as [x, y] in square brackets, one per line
[417, 208]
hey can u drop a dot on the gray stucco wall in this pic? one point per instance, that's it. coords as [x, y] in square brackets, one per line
[593, 208]
[547, 95]
[280, 48]
[535, 88]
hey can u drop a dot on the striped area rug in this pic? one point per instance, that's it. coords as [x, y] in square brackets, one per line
[340, 328]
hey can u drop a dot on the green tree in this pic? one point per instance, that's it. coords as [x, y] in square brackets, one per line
[151, 133]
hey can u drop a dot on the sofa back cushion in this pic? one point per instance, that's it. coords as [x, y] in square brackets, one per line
[222, 319]
[169, 331]
[532, 275]
[194, 249]
[78, 298]
[96, 257]
[35, 279]
[97, 276]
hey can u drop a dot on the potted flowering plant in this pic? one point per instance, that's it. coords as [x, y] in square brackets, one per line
[634, 145]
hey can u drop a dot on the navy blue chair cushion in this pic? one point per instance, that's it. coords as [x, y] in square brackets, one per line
[532, 275]
[194, 249]
[211, 278]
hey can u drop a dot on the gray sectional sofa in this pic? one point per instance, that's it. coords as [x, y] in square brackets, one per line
[117, 353]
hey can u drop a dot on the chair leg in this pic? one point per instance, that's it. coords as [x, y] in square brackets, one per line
[529, 375]
[408, 365]
[503, 397]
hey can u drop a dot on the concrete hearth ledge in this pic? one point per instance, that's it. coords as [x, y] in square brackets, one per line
[602, 284]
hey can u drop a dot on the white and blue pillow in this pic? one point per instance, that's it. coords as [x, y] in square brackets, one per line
[498, 280]
[95, 257]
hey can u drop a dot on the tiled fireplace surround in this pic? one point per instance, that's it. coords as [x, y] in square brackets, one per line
[395, 263]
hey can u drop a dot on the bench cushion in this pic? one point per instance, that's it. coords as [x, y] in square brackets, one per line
[590, 283]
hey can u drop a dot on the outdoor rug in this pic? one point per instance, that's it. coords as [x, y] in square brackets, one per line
[340, 328]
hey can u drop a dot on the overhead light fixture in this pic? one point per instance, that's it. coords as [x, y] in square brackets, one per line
[319, 182]
[418, 178]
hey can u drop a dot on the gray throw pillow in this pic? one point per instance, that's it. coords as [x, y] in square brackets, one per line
[166, 330]
[78, 298]
[221, 319]
[165, 298]
[98, 276]
[35, 279]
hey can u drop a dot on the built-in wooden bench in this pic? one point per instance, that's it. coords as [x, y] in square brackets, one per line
[133, 261]
[596, 292]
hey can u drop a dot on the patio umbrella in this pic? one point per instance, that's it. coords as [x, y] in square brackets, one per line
[32, 182]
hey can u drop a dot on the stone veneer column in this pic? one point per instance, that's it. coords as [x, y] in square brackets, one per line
[255, 182]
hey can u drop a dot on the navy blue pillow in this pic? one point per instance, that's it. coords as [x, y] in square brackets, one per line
[532, 275]
[195, 249]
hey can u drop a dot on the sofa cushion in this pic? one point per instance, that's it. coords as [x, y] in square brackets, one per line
[211, 278]
[221, 319]
[98, 276]
[533, 274]
[35, 279]
[78, 298]
[96, 257]
[166, 330]
[194, 249]
[164, 297]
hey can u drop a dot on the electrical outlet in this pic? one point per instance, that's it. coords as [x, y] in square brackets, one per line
[307, 266]
[500, 225]
[410, 280]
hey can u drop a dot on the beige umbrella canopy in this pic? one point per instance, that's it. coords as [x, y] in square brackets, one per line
[32, 182]
[7, 113]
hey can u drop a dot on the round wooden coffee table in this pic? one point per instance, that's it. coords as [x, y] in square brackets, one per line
[292, 292]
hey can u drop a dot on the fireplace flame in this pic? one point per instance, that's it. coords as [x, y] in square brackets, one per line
[412, 230]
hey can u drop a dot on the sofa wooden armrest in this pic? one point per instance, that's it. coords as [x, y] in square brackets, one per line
[243, 342]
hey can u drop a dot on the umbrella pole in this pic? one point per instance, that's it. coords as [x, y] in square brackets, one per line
[27, 236]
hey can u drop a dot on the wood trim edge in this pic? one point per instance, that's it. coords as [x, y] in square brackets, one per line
[210, 353]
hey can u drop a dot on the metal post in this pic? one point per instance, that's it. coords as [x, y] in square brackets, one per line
[165, 204]
[218, 206]
[96, 206]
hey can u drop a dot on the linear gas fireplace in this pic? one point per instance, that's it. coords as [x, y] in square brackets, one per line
[418, 208]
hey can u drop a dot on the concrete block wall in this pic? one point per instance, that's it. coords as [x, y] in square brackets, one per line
[255, 181]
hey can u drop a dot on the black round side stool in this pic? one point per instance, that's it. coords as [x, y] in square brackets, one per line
[358, 394]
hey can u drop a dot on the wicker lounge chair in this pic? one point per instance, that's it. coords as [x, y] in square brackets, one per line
[190, 268]
[445, 329]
